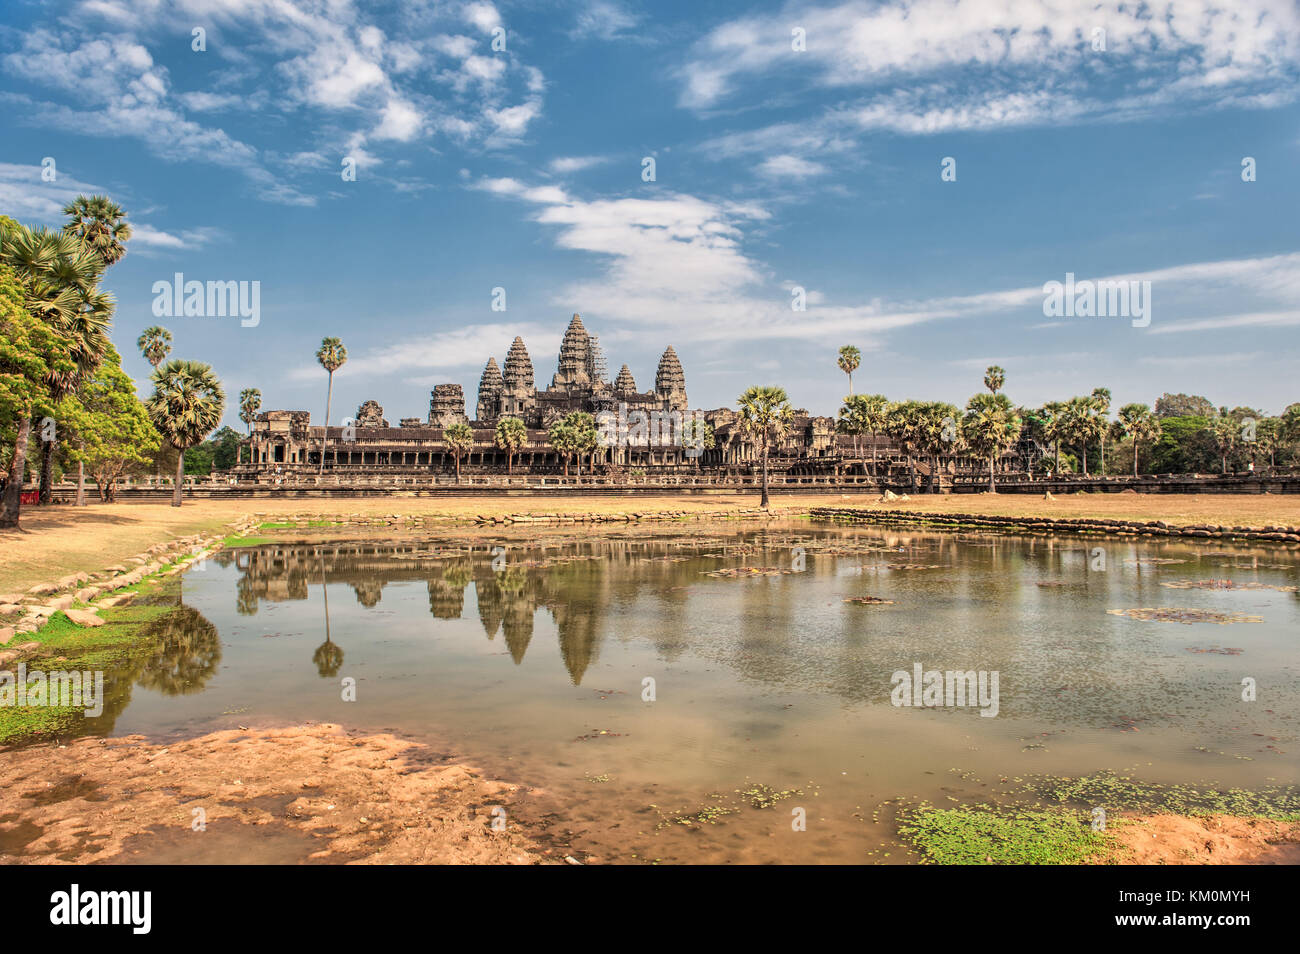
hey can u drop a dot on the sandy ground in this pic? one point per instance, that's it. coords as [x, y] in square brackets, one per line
[59, 540]
[297, 795]
[1212, 840]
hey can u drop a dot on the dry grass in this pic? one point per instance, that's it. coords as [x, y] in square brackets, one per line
[56, 541]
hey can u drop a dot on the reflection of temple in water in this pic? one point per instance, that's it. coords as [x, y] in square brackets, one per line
[575, 584]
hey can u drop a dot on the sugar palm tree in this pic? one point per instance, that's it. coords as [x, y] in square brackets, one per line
[991, 426]
[765, 413]
[1138, 422]
[99, 222]
[852, 420]
[510, 436]
[1054, 428]
[250, 402]
[459, 438]
[1101, 401]
[155, 343]
[332, 355]
[938, 433]
[849, 360]
[994, 378]
[1225, 431]
[564, 438]
[586, 438]
[186, 406]
[904, 426]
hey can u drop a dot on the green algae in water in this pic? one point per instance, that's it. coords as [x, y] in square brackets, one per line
[978, 836]
[1123, 793]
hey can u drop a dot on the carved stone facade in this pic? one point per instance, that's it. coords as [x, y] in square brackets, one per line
[370, 414]
[447, 405]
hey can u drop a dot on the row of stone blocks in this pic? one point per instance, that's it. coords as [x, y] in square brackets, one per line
[1153, 528]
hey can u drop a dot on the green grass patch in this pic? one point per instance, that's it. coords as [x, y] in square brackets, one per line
[237, 540]
[978, 836]
[22, 723]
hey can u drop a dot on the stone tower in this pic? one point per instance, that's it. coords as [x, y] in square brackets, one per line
[490, 386]
[670, 382]
[446, 405]
[624, 383]
[518, 396]
[575, 365]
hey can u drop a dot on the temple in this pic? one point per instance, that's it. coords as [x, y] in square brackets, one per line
[284, 444]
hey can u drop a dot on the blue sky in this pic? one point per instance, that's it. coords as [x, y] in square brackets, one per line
[775, 167]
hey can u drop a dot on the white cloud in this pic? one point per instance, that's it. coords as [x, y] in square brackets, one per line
[567, 164]
[933, 65]
[790, 167]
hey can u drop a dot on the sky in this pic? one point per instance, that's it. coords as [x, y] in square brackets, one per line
[915, 173]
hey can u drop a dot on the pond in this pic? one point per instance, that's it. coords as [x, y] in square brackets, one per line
[678, 694]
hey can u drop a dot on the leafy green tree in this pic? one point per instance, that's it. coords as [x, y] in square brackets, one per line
[991, 426]
[108, 430]
[187, 404]
[765, 414]
[938, 432]
[1184, 405]
[849, 360]
[30, 351]
[459, 438]
[225, 448]
[332, 355]
[510, 436]
[1186, 445]
[586, 437]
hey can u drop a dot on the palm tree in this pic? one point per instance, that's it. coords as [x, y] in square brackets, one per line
[991, 426]
[903, 425]
[697, 437]
[849, 360]
[460, 438]
[1101, 401]
[1138, 422]
[155, 343]
[332, 355]
[250, 402]
[1081, 425]
[994, 377]
[511, 435]
[586, 438]
[852, 419]
[60, 277]
[1054, 428]
[938, 434]
[99, 222]
[1224, 430]
[765, 413]
[186, 406]
[564, 438]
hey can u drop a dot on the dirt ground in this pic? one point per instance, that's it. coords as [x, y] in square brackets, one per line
[55, 541]
[317, 794]
[299, 795]
[1212, 840]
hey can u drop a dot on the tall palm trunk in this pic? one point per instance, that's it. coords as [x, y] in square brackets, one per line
[47, 469]
[12, 499]
[81, 484]
[992, 487]
[180, 477]
[329, 396]
[1135, 458]
[764, 502]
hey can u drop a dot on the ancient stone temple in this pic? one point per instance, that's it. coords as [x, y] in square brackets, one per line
[575, 365]
[490, 387]
[447, 405]
[670, 381]
[283, 443]
[370, 414]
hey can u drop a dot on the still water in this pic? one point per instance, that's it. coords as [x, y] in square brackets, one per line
[537, 656]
